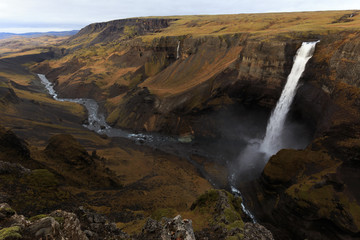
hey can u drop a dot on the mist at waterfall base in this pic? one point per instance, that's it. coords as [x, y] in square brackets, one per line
[279, 132]
[242, 129]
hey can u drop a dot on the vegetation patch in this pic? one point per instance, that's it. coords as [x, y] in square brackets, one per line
[10, 233]
[221, 209]
[37, 217]
[159, 213]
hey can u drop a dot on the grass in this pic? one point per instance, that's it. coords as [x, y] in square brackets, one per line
[34, 192]
[18, 78]
[330, 204]
[260, 25]
[19, 46]
[22, 53]
[10, 233]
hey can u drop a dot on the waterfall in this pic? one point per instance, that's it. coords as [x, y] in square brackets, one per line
[178, 50]
[272, 143]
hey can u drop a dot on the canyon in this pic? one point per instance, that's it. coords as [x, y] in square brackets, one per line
[206, 84]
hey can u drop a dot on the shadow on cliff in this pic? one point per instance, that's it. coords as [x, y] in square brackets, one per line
[250, 160]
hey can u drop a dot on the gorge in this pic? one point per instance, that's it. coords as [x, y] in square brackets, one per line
[195, 92]
[257, 152]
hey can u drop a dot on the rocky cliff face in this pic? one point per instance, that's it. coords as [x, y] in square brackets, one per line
[146, 87]
[109, 31]
[151, 86]
[315, 187]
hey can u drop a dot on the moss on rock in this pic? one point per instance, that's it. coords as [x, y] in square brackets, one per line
[222, 210]
[10, 233]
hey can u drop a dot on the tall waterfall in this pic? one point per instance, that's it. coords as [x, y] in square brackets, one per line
[272, 143]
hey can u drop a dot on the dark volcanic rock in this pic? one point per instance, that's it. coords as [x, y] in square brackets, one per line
[167, 229]
[256, 231]
[13, 169]
[308, 189]
[98, 227]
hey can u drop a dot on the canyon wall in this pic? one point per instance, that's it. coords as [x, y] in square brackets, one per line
[143, 86]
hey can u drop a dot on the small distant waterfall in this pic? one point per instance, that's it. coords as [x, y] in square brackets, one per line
[178, 50]
[271, 143]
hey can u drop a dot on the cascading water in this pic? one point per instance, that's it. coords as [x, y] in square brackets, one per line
[272, 143]
[255, 155]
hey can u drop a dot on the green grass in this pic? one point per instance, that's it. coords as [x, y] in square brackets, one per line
[159, 213]
[37, 217]
[10, 233]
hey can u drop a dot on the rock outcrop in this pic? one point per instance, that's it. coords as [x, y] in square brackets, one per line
[224, 218]
[167, 229]
[113, 30]
[97, 227]
[58, 225]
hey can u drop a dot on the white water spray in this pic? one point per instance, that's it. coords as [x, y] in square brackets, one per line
[272, 143]
[255, 155]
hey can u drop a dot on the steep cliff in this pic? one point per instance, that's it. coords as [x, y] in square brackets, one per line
[316, 187]
[172, 77]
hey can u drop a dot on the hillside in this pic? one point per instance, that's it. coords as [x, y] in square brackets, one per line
[210, 82]
[4, 35]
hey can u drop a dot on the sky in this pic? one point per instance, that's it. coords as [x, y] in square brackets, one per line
[19, 16]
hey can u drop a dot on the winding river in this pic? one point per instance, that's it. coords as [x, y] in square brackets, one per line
[168, 144]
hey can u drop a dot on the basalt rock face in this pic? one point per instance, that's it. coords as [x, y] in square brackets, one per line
[109, 31]
[174, 88]
[315, 188]
[152, 86]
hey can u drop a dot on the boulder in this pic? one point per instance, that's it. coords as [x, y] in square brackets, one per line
[167, 229]
[47, 228]
[179, 229]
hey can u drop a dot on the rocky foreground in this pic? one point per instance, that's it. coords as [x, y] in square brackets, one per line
[84, 224]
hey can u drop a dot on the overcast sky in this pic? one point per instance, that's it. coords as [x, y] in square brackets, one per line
[46, 15]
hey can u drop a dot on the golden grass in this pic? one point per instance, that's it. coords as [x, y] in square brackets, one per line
[75, 108]
[194, 70]
[17, 46]
[22, 53]
[261, 24]
[18, 78]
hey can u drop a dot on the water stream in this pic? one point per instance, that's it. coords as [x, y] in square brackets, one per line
[256, 148]
[272, 143]
[255, 155]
